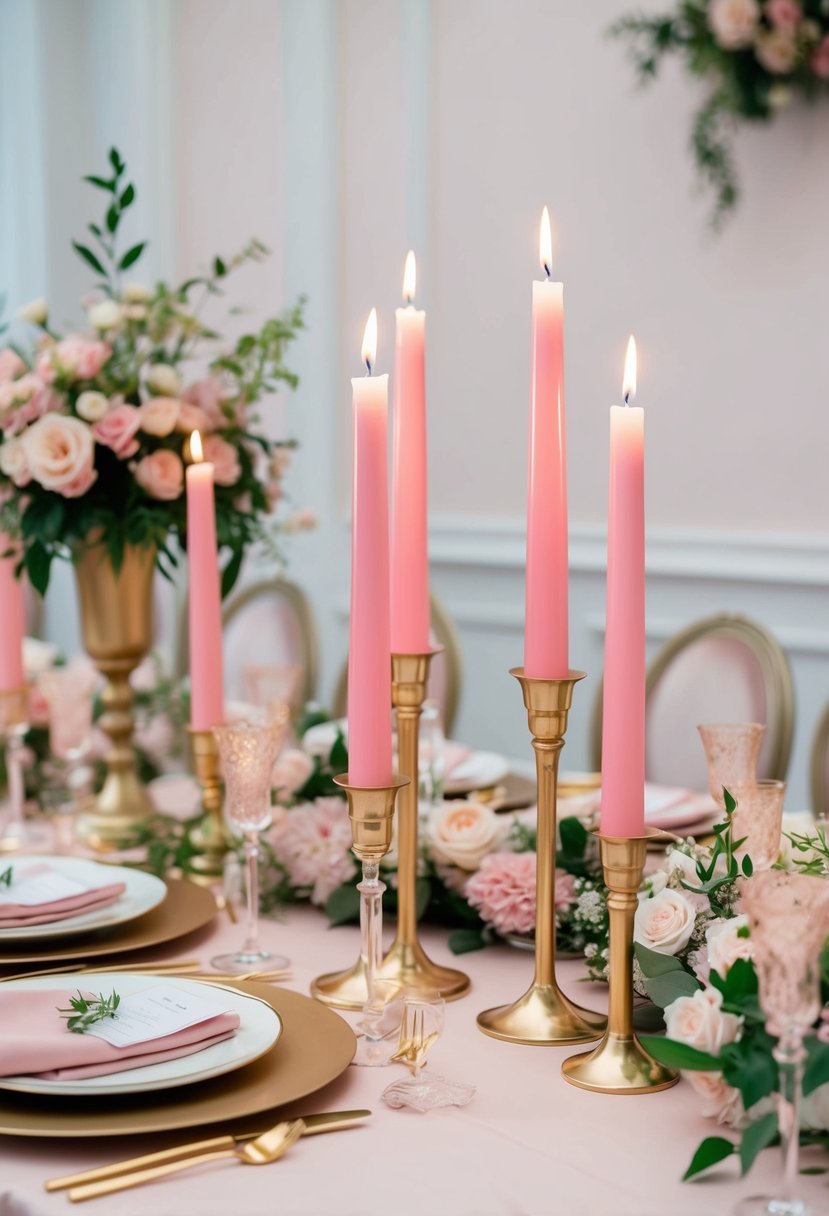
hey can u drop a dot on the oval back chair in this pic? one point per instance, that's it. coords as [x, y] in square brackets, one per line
[820, 767]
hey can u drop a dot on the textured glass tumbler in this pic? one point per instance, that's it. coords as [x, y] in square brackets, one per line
[758, 819]
[248, 751]
[789, 919]
[732, 750]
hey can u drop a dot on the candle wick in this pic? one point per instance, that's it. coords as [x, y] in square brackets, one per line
[627, 398]
[368, 367]
[548, 270]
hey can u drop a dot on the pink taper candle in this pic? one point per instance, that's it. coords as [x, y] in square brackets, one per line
[12, 621]
[409, 542]
[206, 667]
[623, 723]
[369, 653]
[545, 636]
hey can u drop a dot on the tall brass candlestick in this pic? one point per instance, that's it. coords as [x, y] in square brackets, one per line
[543, 1015]
[210, 837]
[620, 1064]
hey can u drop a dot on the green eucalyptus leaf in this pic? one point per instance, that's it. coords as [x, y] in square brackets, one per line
[817, 1065]
[38, 562]
[712, 1151]
[654, 963]
[749, 1066]
[730, 802]
[748, 866]
[132, 255]
[574, 837]
[464, 941]
[113, 215]
[756, 1137]
[338, 758]
[665, 989]
[127, 197]
[219, 268]
[231, 571]
[674, 1054]
[116, 161]
[100, 182]
[83, 251]
[343, 905]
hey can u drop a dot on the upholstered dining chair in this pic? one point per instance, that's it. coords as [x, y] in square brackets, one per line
[725, 668]
[820, 766]
[266, 626]
[446, 675]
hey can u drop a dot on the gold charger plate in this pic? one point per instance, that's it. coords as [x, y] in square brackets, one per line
[186, 908]
[315, 1047]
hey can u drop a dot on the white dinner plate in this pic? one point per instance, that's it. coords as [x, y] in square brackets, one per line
[478, 771]
[260, 1027]
[142, 893]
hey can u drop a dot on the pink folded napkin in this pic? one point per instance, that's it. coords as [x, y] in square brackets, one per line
[14, 916]
[35, 1040]
[454, 754]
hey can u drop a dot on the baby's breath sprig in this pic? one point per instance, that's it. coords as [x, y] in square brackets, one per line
[86, 1011]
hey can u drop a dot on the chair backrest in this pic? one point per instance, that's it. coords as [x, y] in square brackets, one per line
[820, 767]
[266, 625]
[722, 669]
[446, 674]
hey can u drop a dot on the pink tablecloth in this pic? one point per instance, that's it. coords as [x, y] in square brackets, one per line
[527, 1145]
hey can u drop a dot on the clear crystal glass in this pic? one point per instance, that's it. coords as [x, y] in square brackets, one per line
[69, 695]
[789, 918]
[732, 750]
[248, 751]
[431, 758]
[758, 818]
[421, 1027]
[13, 827]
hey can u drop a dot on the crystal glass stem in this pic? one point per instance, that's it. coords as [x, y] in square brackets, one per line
[251, 944]
[790, 1056]
[15, 750]
[371, 923]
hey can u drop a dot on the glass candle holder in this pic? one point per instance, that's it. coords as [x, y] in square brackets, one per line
[758, 820]
[248, 751]
[788, 915]
[732, 750]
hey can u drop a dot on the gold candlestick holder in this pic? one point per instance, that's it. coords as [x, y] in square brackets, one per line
[620, 1064]
[371, 811]
[543, 1015]
[14, 722]
[210, 837]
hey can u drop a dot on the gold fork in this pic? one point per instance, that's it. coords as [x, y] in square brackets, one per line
[414, 1042]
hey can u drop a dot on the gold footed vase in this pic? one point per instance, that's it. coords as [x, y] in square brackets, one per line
[620, 1064]
[116, 623]
[544, 1016]
[406, 963]
[210, 837]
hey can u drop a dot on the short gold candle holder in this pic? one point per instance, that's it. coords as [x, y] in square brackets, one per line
[210, 838]
[543, 1016]
[620, 1064]
[14, 722]
[371, 811]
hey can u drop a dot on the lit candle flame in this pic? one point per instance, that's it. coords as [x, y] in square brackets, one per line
[410, 277]
[369, 352]
[545, 244]
[629, 379]
[196, 450]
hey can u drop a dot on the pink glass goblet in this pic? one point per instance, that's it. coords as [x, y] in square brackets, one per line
[758, 819]
[732, 750]
[248, 751]
[68, 692]
[788, 916]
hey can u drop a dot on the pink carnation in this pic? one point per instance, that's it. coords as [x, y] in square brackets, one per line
[117, 430]
[819, 62]
[313, 843]
[76, 356]
[11, 365]
[207, 395]
[503, 891]
[784, 14]
[565, 890]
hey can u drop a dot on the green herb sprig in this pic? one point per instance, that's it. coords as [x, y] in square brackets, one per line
[85, 1012]
[7, 876]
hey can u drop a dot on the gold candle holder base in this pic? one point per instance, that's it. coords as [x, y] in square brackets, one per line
[620, 1064]
[543, 1016]
[210, 837]
[371, 811]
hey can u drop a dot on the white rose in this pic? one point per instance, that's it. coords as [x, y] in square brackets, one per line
[720, 1100]
[734, 22]
[163, 379]
[38, 657]
[727, 940]
[664, 923]
[699, 1021]
[106, 315]
[318, 740]
[13, 461]
[291, 771]
[92, 406]
[462, 833]
[36, 312]
[136, 293]
[777, 51]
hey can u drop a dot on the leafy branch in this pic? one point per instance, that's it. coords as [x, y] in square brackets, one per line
[86, 1011]
[120, 196]
[722, 858]
[7, 876]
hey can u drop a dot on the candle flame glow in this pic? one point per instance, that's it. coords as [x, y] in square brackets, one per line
[410, 277]
[545, 244]
[369, 351]
[629, 379]
[196, 449]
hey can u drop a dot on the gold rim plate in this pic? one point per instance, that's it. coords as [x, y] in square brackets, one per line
[316, 1046]
[186, 908]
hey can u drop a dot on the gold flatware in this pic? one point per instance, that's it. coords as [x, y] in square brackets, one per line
[263, 1150]
[226, 905]
[314, 1125]
[414, 1042]
[174, 966]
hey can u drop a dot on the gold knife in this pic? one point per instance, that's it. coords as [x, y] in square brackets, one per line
[330, 1121]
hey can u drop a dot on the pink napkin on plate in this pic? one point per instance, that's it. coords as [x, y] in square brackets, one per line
[35, 1040]
[13, 916]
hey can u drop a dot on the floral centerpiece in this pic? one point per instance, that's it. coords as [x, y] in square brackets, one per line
[756, 56]
[95, 425]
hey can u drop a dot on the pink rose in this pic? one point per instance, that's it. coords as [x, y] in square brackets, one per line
[699, 1021]
[785, 14]
[117, 430]
[78, 357]
[734, 22]
[224, 458]
[207, 395]
[720, 1100]
[192, 418]
[60, 454]
[503, 891]
[727, 941]
[777, 51]
[11, 365]
[161, 474]
[291, 771]
[819, 62]
[13, 462]
[159, 416]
